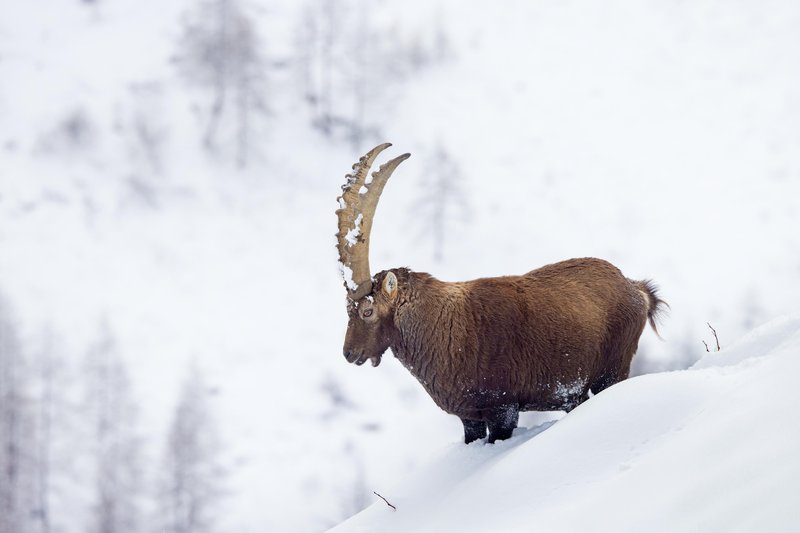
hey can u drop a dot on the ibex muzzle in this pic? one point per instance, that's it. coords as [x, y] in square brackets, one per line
[488, 348]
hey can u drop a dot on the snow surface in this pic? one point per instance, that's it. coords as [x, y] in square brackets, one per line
[661, 136]
[711, 448]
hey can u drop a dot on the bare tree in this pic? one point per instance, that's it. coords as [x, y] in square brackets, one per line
[339, 56]
[16, 437]
[443, 202]
[193, 472]
[356, 497]
[56, 411]
[348, 65]
[221, 52]
[317, 44]
[118, 489]
[33, 436]
[145, 126]
[47, 370]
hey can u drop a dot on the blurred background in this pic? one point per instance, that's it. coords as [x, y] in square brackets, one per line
[171, 313]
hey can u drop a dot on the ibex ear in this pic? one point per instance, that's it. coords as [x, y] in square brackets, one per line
[389, 286]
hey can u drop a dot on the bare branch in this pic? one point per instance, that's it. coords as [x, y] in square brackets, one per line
[384, 499]
[706, 345]
[715, 335]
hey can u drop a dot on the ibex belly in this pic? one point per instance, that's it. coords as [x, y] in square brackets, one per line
[480, 397]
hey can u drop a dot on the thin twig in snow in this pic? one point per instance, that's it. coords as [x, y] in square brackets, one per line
[384, 499]
[715, 335]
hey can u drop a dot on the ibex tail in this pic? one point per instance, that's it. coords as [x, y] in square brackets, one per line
[656, 307]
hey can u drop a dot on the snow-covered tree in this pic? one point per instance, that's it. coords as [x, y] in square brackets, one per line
[443, 201]
[145, 126]
[16, 429]
[116, 452]
[316, 43]
[356, 497]
[191, 491]
[349, 64]
[47, 370]
[13, 415]
[221, 51]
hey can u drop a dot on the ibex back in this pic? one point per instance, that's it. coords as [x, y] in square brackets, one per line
[488, 348]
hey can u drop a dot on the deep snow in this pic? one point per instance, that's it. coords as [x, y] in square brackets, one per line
[711, 448]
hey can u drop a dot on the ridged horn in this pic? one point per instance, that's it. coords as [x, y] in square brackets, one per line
[360, 195]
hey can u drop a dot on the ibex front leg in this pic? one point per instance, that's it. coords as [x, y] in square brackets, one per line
[473, 430]
[503, 422]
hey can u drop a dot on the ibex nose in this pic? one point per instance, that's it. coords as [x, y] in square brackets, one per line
[347, 354]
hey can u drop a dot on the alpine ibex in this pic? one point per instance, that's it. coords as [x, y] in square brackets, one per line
[489, 348]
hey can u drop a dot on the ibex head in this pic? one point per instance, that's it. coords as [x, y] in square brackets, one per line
[370, 302]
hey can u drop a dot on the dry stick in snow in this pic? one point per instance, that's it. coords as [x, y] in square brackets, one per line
[706, 345]
[715, 336]
[384, 499]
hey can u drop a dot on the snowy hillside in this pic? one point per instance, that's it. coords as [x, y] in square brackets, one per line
[168, 277]
[712, 448]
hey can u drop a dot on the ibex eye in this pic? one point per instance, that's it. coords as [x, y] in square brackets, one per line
[368, 313]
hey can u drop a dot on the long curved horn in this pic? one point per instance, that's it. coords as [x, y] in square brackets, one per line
[360, 195]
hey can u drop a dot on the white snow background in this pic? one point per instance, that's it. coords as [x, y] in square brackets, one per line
[662, 136]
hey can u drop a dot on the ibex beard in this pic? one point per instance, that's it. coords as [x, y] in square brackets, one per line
[486, 349]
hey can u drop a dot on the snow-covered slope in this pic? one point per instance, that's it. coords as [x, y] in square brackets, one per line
[712, 448]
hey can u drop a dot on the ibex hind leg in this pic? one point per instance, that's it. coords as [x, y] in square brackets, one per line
[617, 356]
[503, 422]
[473, 430]
[574, 401]
[609, 378]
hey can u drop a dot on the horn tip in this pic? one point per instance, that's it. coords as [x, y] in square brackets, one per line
[378, 149]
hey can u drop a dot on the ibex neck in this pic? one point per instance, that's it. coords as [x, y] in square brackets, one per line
[429, 324]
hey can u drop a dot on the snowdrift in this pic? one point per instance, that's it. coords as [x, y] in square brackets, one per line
[711, 448]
